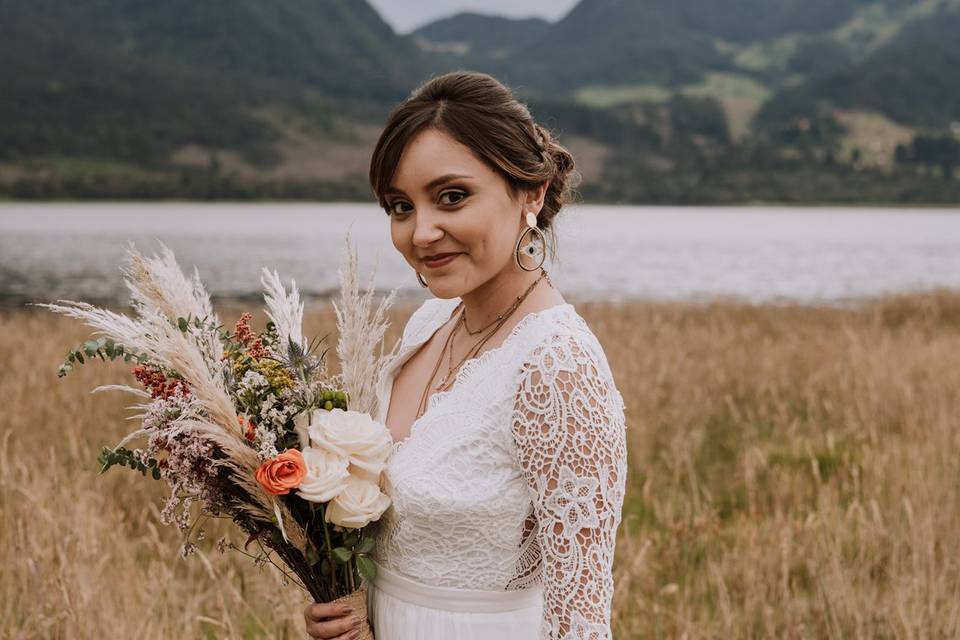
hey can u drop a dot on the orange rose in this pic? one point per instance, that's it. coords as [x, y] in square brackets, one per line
[284, 472]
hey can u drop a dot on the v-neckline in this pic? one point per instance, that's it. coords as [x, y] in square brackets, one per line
[408, 352]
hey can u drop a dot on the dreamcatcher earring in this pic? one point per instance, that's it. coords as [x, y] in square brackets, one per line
[534, 248]
[420, 280]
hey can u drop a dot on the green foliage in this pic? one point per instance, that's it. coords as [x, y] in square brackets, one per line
[911, 79]
[942, 151]
[102, 348]
[485, 37]
[165, 73]
[699, 116]
[130, 81]
[356, 549]
[124, 457]
[366, 567]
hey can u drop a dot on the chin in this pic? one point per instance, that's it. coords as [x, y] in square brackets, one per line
[441, 291]
[446, 287]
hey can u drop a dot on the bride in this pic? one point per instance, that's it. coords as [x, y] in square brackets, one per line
[509, 464]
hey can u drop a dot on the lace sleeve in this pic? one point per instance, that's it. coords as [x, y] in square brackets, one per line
[569, 428]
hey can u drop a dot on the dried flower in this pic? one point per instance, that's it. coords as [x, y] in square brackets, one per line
[154, 381]
[242, 329]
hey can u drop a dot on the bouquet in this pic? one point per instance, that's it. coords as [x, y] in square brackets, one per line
[252, 427]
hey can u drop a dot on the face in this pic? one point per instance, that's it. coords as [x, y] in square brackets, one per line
[452, 216]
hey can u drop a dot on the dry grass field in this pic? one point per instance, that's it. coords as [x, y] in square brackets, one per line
[794, 473]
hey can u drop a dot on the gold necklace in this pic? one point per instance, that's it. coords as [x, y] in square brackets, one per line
[513, 306]
[472, 351]
[499, 322]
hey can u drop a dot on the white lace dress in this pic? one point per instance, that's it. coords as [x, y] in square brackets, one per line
[507, 494]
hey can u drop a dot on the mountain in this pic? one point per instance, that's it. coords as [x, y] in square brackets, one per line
[613, 42]
[668, 42]
[477, 36]
[660, 100]
[334, 45]
[911, 79]
[136, 81]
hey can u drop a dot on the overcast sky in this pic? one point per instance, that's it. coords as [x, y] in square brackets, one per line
[406, 15]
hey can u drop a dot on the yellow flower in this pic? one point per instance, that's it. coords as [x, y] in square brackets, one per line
[275, 374]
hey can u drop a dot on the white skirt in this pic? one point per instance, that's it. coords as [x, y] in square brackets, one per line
[400, 608]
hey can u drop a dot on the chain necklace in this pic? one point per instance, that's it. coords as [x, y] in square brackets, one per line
[511, 309]
[473, 350]
[499, 322]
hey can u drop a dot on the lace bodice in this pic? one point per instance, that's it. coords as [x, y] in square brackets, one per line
[515, 475]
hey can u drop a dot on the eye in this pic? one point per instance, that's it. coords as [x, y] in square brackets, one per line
[460, 195]
[392, 211]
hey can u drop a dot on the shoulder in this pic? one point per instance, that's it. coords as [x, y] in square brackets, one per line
[560, 349]
[560, 336]
[432, 313]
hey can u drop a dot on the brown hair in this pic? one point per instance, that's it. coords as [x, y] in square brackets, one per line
[482, 114]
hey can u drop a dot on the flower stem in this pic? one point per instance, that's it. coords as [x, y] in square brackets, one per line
[326, 537]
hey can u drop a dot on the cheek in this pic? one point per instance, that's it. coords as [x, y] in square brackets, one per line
[400, 235]
[498, 240]
[489, 237]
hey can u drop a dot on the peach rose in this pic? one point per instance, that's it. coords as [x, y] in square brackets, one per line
[281, 473]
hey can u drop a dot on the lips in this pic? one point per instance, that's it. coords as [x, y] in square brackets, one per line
[439, 260]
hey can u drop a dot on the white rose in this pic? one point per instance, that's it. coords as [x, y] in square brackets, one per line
[360, 503]
[363, 441]
[301, 426]
[326, 477]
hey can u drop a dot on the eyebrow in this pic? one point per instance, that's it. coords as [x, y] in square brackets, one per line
[432, 184]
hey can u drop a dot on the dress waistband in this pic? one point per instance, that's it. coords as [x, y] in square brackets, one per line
[454, 598]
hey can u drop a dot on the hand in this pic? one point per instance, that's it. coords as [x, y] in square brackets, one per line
[330, 621]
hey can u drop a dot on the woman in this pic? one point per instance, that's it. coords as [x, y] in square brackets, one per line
[509, 463]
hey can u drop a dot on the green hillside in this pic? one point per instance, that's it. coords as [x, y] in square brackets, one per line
[333, 45]
[246, 86]
[912, 79]
[663, 100]
[475, 37]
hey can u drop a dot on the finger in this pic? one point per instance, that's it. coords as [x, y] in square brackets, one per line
[349, 635]
[320, 611]
[332, 628]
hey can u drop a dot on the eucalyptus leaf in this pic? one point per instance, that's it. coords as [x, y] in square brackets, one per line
[366, 567]
[350, 540]
[366, 546]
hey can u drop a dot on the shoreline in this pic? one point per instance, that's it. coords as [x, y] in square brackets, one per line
[411, 299]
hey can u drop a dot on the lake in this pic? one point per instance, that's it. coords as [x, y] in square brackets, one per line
[763, 254]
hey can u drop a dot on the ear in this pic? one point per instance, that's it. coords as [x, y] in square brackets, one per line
[533, 200]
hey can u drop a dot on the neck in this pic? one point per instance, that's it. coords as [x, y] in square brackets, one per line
[493, 297]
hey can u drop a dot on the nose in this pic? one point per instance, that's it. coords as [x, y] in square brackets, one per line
[426, 229]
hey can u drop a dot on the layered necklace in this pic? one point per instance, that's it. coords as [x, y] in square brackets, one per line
[485, 332]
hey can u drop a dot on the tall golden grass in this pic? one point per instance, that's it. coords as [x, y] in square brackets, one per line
[794, 473]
